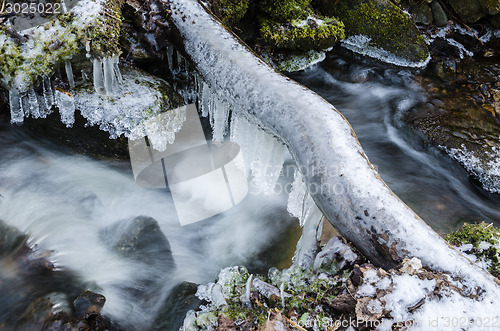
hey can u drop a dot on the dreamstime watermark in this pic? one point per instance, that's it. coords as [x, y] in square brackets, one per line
[204, 179]
[21, 15]
[312, 187]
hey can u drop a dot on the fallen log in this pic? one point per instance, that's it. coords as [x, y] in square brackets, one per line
[349, 190]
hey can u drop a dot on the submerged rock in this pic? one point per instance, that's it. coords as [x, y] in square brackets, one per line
[140, 239]
[88, 303]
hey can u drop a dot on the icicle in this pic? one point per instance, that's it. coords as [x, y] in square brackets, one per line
[206, 100]
[110, 81]
[33, 103]
[48, 95]
[268, 160]
[87, 49]
[69, 74]
[300, 204]
[245, 298]
[243, 133]
[307, 246]
[66, 105]
[116, 68]
[16, 107]
[282, 295]
[98, 76]
[170, 58]
[263, 153]
[218, 119]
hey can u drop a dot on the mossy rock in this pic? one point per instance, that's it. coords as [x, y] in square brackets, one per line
[285, 11]
[302, 35]
[385, 24]
[229, 11]
[491, 7]
[484, 239]
[25, 59]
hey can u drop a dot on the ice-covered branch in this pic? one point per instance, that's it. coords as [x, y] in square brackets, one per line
[339, 177]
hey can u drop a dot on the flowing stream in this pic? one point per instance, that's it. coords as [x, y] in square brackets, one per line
[70, 205]
[374, 99]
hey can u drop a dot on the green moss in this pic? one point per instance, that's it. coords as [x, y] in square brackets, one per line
[22, 65]
[104, 34]
[477, 235]
[229, 11]
[387, 26]
[285, 11]
[302, 36]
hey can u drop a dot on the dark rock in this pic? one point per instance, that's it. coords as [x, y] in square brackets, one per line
[88, 303]
[491, 7]
[440, 18]
[140, 239]
[422, 14]
[495, 21]
[469, 11]
[181, 299]
[343, 303]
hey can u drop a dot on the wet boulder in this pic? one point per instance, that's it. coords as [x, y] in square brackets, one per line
[140, 239]
[471, 11]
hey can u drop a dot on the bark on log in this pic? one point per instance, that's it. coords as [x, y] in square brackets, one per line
[324, 146]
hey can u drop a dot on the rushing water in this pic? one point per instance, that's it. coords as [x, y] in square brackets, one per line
[374, 100]
[70, 205]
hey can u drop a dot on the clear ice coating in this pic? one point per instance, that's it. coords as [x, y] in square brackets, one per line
[16, 107]
[264, 155]
[66, 104]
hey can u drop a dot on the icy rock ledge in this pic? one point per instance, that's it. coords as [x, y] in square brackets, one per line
[341, 290]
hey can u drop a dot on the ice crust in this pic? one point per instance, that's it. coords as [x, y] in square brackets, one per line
[361, 44]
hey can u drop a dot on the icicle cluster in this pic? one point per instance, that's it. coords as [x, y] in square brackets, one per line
[264, 155]
[29, 103]
[301, 205]
[107, 76]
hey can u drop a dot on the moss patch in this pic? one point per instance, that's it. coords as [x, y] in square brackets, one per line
[484, 239]
[386, 24]
[57, 41]
[303, 35]
[229, 12]
[285, 11]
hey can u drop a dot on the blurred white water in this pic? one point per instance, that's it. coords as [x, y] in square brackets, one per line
[66, 202]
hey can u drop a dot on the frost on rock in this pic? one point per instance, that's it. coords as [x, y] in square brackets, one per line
[132, 111]
[487, 171]
[361, 44]
[264, 155]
